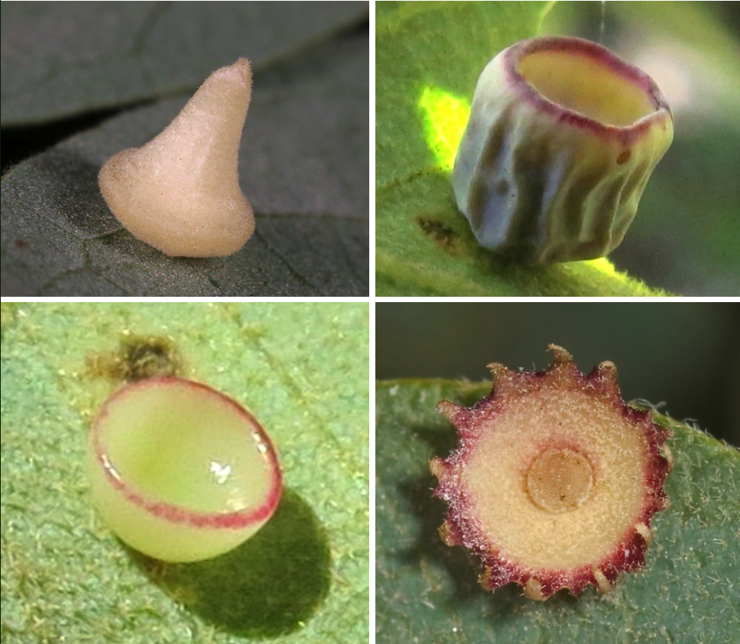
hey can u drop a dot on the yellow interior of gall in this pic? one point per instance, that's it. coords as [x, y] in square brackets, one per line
[587, 86]
[183, 445]
[558, 480]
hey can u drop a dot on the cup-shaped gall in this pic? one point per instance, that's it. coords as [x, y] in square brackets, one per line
[179, 471]
[562, 138]
[180, 192]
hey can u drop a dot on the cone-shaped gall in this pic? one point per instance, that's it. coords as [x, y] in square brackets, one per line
[180, 192]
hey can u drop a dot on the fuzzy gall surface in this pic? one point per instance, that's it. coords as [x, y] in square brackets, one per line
[555, 479]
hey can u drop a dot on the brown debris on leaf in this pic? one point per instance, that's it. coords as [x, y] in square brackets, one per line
[138, 357]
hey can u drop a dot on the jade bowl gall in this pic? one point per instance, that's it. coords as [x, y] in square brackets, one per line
[562, 138]
[180, 471]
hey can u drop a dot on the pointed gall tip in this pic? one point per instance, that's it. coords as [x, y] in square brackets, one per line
[668, 455]
[603, 585]
[560, 355]
[608, 370]
[497, 370]
[447, 409]
[438, 468]
[533, 590]
[242, 69]
[645, 532]
[449, 536]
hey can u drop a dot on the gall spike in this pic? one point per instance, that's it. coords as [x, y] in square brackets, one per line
[555, 480]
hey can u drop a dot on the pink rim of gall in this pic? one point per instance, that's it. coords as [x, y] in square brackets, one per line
[627, 135]
[175, 513]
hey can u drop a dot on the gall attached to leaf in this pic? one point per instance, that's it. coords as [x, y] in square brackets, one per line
[555, 479]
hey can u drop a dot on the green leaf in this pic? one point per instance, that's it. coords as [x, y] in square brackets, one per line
[302, 369]
[427, 592]
[428, 57]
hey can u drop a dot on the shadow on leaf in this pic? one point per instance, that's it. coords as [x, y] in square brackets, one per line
[267, 587]
[430, 513]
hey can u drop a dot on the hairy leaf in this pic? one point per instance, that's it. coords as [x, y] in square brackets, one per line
[427, 592]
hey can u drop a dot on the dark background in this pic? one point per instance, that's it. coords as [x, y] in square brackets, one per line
[686, 355]
[83, 80]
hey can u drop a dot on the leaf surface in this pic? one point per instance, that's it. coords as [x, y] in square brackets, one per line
[302, 369]
[61, 60]
[427, 592]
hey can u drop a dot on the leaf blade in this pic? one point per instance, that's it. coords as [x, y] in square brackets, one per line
[428, 591]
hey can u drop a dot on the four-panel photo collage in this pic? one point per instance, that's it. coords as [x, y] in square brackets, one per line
[370, 322]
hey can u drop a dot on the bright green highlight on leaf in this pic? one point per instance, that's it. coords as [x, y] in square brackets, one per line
[445, 117]
[545, 10]
[604, 266]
